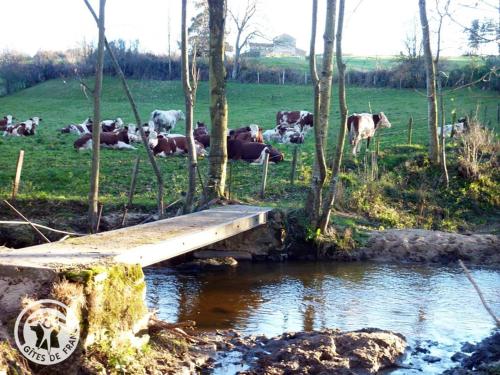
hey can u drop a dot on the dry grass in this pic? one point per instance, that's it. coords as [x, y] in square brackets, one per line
[479, 149]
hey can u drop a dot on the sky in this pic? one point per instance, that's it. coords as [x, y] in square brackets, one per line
[372, 27]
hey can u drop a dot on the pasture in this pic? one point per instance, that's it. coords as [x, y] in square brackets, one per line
[359, 63]
[54, 172]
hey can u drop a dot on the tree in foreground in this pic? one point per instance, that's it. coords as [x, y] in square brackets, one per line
[337, 161]
[121, 77]
[322, 93]
[218, 104]
[96, 126]
[430, 70]
[189, 83]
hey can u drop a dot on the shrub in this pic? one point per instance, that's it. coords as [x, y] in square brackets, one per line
[477, 144]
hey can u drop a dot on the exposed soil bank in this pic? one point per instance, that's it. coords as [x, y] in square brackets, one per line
[418, 245]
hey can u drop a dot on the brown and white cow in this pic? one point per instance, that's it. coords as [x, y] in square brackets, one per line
[301, 121]
[118, 140]
[25, 128]
[111, 125]
[250, 133]
[201, 129]
[78, 129]
[363, 126]
[5, 122]
[204, 140]
[252, 152]
[165, 145]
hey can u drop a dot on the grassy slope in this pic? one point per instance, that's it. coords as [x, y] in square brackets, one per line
[361, 63]
[54, 171]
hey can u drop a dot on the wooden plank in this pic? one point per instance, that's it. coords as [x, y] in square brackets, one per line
[143, 244]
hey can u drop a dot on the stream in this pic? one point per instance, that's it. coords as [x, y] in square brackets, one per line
[434, 307]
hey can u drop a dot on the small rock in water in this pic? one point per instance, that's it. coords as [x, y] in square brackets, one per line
[467, 347]
[459, 357]
[431, 359]
[419, 350]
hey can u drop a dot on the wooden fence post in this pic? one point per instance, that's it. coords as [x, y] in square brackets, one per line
[283, 79]
[294, 165]
[17, 178]
[377, 148]
[264, 175]
[258, 77]
[410, 129]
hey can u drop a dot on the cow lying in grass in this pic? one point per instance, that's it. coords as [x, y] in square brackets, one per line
[25, 128]
[5, 122]
[166, 145]
[252, 152]
[250, 133]
[84, 128]
[119, 140]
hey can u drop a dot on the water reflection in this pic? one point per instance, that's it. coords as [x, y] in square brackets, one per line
[421, 302]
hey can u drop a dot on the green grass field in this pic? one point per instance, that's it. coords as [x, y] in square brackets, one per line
[53, 171]
[360, 63]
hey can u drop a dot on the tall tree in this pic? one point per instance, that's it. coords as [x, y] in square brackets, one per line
[430, 69]
[121, 76]
[441, 75]
[96, 126]
[189, 83]
[218, 104]
[199, 30]
[245, 31]
[322, 93]
[337, 161]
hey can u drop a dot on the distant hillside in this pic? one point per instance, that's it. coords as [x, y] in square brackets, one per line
[359, 63]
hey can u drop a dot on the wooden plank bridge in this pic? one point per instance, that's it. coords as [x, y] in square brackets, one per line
[143, 244]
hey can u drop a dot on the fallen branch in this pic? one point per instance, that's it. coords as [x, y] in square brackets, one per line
[473, 282]
[27, 221]
[15, 222]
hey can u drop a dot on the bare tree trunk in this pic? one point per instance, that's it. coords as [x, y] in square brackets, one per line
[121, 76]
[236, 61]
[443, 135]
[218, 103]
[313, 202]
[322, 95]
[431, 85]
[189, 95]
[96, 126]
[337, 161]
[243, 24]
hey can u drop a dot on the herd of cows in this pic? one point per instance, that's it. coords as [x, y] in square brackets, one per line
[249, 143]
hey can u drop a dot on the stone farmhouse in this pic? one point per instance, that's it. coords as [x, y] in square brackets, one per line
[283, 45]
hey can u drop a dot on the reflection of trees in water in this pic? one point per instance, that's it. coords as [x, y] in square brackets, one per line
[217, 302]
[226, 298]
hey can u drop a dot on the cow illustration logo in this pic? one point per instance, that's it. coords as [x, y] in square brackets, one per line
[47, 332]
